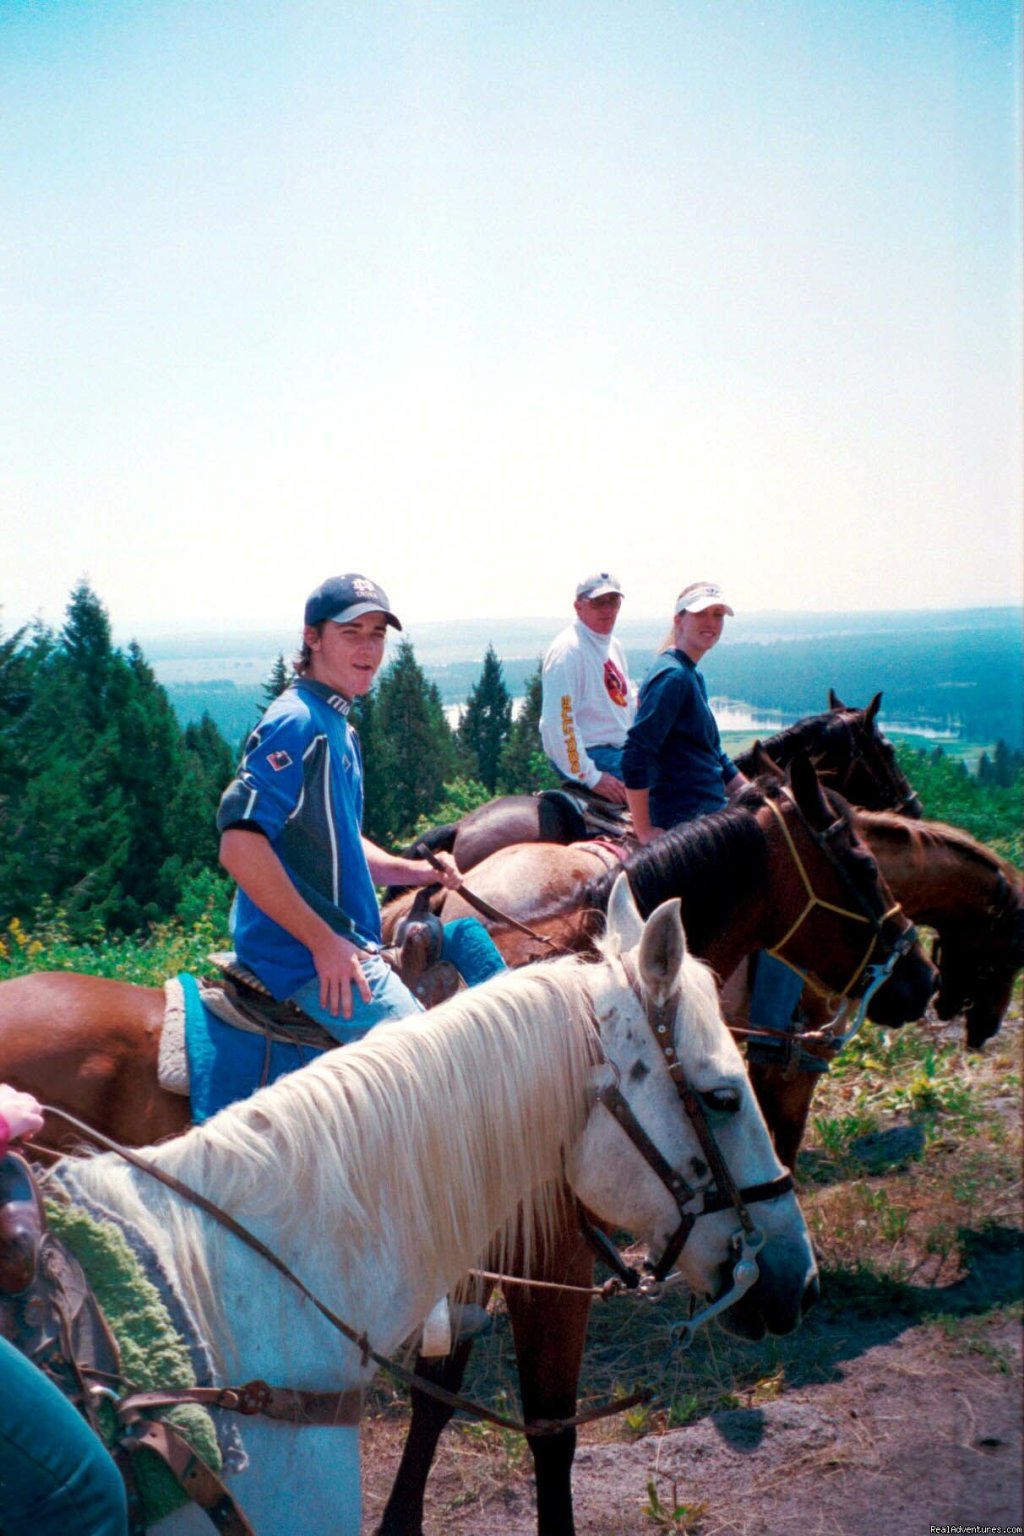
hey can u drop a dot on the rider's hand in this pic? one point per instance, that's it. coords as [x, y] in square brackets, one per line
[449, 875]
[649, 834]
[22, 1111]
[338, 966]
[610, 788]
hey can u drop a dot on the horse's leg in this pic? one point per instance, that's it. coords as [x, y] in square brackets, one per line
[403, 1513]
[785, 1100]
[550, 1329]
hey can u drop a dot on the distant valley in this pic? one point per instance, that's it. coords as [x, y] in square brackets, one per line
[953, 676]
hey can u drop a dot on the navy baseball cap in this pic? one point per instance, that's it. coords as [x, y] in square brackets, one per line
[344, 598]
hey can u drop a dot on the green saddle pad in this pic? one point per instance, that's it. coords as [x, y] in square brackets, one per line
[153, 1353]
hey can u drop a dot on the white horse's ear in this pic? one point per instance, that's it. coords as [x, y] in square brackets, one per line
[662, 950]
[625, 926]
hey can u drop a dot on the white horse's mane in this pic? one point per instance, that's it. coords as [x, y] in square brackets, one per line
[434, 1127]
[447, 1119]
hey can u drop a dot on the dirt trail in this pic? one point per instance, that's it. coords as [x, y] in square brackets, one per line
[918, 1427]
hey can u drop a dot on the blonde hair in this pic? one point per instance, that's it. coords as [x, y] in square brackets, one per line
[668, 644]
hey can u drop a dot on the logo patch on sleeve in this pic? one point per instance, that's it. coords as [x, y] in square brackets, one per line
[279, 760]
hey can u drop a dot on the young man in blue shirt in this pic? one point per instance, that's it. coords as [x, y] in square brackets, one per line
[306, 918]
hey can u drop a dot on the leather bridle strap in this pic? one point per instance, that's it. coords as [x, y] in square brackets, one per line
[721, 1193]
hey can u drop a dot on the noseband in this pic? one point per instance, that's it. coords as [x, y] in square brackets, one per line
[874, 976]
[719, 1194]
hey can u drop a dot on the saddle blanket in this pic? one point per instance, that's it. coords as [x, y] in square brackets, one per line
[212, 1062]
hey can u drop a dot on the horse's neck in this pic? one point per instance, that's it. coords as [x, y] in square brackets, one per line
[725, 919]
[936, 878]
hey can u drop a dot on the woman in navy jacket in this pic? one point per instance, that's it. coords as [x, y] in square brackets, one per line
[673, 764]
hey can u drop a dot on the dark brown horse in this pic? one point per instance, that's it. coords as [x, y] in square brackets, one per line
[973, 899]
[741, 887]
[848, 750]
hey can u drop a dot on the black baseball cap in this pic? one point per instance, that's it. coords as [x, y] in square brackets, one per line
[343, 598]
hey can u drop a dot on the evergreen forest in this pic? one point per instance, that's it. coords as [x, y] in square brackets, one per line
[108, 804]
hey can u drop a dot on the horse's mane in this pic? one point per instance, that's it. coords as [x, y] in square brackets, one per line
[922, 835]
[700, 861]
[806, 735]
[454, 1117]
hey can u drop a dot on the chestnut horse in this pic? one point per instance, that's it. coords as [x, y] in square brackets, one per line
[972, 898]
[848, 750]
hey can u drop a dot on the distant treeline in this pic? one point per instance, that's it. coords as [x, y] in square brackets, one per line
[108, 801]
[972, 679]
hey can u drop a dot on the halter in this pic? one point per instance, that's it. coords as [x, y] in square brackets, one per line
[875, 975]
[719, 1194]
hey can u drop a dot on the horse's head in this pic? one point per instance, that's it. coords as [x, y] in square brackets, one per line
[677, 1122]
[857, 760]
[978, 965]
[847, 932]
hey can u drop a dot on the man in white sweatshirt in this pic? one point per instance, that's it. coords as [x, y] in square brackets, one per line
[588, 700]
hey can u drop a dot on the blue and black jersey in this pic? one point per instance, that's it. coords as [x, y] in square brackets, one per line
[301, 784]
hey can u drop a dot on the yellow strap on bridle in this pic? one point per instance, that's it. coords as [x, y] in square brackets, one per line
[813, 900]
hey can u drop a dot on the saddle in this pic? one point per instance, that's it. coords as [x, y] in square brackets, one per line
[49, 1313]
[47, 1309]
[586, 815]
[238, 997]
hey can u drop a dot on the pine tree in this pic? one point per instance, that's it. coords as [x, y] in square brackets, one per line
[86, 645]
[104, 808]
[524, 769]
[486, 722]
[412, 745]
[279, 679]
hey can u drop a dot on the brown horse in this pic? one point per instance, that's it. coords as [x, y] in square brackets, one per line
[848, 750]
[973, 899]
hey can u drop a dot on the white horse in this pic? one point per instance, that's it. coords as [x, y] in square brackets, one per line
[380, 1173]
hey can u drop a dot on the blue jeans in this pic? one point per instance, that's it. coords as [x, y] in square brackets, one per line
[56, 1476]
[468, 946]
[608, 759]
[390, 998]
[773, 999]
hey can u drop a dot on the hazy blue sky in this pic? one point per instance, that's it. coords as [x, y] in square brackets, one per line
[477, 298]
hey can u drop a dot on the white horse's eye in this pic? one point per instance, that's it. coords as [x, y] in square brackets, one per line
[721, 1101]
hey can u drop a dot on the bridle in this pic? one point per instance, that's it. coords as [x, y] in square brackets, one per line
[870, 976]
[894, 790]
[719, 1194]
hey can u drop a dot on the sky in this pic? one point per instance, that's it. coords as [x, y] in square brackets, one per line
[478, 298]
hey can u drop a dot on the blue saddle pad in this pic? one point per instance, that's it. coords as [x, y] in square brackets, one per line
[227, 1064]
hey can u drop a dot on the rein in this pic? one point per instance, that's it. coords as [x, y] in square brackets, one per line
[485, 909]
[720, 1194]
[297, 1406]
